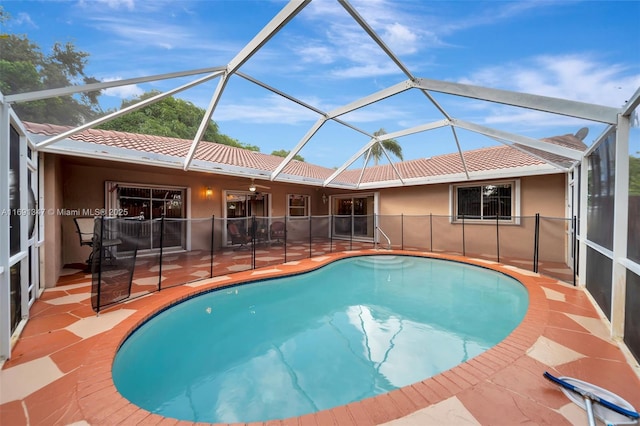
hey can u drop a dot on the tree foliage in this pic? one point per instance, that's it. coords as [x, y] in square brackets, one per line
[170, 117]
[634, 175]
[391, 145]
[283, 153]
[24, 68]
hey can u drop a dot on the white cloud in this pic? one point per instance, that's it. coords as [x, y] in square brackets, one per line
[274, 109]
[146, 29]
[527, 118]
[142, 32]
[400, 38]
[114, 4]
[122, 92]
[25, 19]
[366, 70]
[408, 28]
[375, 114]
[574, 77]
[316, 54]
[268, 109]
[340, 39]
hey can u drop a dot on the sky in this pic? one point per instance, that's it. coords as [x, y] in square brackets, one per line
[586, 51]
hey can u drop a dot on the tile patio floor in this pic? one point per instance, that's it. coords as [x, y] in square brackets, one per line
[60, 370]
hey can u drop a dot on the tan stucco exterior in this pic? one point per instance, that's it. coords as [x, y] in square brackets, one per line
[52, 256]
[545, 194]
[75, 184]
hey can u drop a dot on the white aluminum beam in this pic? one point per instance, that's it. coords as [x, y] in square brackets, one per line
[366, 162]
[592, 112]
[70, 90]
[358, 154]
[374, 36]
[603, 136]
[393, 166]
[459, 177]
[365, 26]
[375, 97]
[205, 120]
[279, 92]
[533, 154]
[573, 154]
[350, 161]
[415, 129]
[5, 272]
[268, 31]
[633, 103]
[582, 223]
[405, 132]
[123, 111]
[82, 149]
[436, 104]
[620, 221]
[298, 147]
[464, 164]
[300, 102]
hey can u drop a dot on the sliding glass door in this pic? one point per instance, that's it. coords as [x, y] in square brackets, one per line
[242, 206]
[150, 204]
[354, 217]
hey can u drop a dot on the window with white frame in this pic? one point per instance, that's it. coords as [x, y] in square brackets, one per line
[298, 205]
[486, 201]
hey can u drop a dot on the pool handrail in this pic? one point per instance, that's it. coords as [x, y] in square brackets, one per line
[385, 235]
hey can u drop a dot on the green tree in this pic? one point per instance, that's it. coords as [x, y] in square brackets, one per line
[24, 68]
[391, 145]
[283, 153]
[170, 117]
[634, 175]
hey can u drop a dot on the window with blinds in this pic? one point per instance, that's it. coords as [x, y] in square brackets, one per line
[298, 205]
[485, 202]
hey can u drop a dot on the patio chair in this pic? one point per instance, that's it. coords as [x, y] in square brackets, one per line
[85, 228]
[277, 232]
[238, 237]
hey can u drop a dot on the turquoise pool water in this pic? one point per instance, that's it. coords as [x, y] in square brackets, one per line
[290, 346]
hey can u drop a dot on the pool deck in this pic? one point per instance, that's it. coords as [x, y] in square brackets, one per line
[60, 370]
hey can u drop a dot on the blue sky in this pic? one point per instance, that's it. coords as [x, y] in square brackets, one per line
[586, 51]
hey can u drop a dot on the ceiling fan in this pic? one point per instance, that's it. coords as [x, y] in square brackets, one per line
[254, 185]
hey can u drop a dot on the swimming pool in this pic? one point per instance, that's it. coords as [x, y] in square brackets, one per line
[285, 347]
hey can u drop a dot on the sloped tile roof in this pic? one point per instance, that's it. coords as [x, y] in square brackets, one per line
[566, 141]
[493, 158]
[207, 151]
[483, 159]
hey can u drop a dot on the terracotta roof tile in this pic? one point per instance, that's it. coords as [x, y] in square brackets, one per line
[493, 158]
[484, 159]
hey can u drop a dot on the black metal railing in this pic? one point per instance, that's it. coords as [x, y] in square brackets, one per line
[135, 257]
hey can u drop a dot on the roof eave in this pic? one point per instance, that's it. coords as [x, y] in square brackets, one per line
[515, 172]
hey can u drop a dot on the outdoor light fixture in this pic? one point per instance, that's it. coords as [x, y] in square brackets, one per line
[208, 192]
[324, 198]
[254, 185]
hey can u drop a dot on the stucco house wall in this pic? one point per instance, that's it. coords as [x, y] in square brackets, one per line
[78, 183]
[426, 211]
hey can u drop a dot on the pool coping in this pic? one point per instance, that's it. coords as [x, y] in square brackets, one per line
[100, 401]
